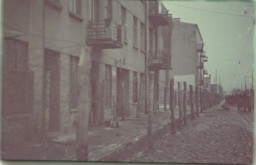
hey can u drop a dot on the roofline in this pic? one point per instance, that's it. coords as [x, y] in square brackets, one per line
[193, 24]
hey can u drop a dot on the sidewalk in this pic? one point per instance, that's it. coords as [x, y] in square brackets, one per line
[103, 141]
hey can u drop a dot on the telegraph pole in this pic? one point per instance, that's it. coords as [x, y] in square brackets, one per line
[149, 115]
[245, 83]
[83, 109]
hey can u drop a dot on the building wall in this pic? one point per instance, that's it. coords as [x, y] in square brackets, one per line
[128, 57]
[65, 34]
[184, 52]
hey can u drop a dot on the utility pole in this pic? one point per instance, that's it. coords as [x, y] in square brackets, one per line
[245, 83]
[83, 109]
[149, 113]
[252, 78]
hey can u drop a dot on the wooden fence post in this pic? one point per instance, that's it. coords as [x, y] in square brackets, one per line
[179, 104]
[196, 97]
[165, 98]
[172, 107]
[191, 101]
[185, 102]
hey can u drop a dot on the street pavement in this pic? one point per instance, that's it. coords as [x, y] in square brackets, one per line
[217, 136]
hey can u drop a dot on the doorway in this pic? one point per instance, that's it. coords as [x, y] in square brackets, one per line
[52, 90]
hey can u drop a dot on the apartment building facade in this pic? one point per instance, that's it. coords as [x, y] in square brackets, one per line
[43, 41]
[42, 44]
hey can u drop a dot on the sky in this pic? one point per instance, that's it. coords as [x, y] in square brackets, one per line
[227, 29]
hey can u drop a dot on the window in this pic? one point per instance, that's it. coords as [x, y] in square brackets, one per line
[151, 40]
[108, 9]
[108, 86]
[123, 19]
[135, 32]
[142, 36]
[75, 7]
[94, 10]
[73, 82]
[135, 87]
[16, 53]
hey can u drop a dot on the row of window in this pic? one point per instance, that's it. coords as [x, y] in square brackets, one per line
[135, 30]
[75, 7]
[16, 53]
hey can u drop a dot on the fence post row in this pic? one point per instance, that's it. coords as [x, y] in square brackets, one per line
[179, 104]
[196, 97]
[172, 107]
[191, 102]
[185, 102]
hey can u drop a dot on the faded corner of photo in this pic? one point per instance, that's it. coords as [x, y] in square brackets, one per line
[121, 81]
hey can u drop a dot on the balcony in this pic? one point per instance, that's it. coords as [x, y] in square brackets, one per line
[200, 47]
[158, 61]
[205, 72]
[200, 66]
[158, 14]
[104, 34]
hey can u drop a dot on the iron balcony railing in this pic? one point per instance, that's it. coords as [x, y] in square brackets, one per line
[158, 14]
[104, 34]
[158, 60]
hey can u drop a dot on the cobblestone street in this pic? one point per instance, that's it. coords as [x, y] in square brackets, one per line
[217, 136]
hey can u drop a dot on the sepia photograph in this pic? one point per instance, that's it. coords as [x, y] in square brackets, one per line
[128, 81]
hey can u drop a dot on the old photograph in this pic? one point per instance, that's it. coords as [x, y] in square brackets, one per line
[159, 81]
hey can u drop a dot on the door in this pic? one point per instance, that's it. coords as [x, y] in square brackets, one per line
[52, 90]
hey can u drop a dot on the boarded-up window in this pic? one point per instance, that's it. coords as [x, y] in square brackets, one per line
[73, 82]
[135, 87]
[108, 86]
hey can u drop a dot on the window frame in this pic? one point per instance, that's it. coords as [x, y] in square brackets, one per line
[135, 32]
[142, 36]
[108, 86]
[73, 99]
[75, 9]
[124, 22]
[11, 49]
[135, 87]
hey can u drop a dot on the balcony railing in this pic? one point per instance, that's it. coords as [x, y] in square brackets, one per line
[200, 66]
[104, 34]
[158, 14]
[158, 60]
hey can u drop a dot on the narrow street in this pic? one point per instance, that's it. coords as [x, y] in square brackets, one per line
[217, 136]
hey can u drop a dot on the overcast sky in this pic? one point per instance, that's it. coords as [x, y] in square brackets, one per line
[227, 29]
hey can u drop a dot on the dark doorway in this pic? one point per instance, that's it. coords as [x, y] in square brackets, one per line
[52, 90]
[122, 92]
[94, 120]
